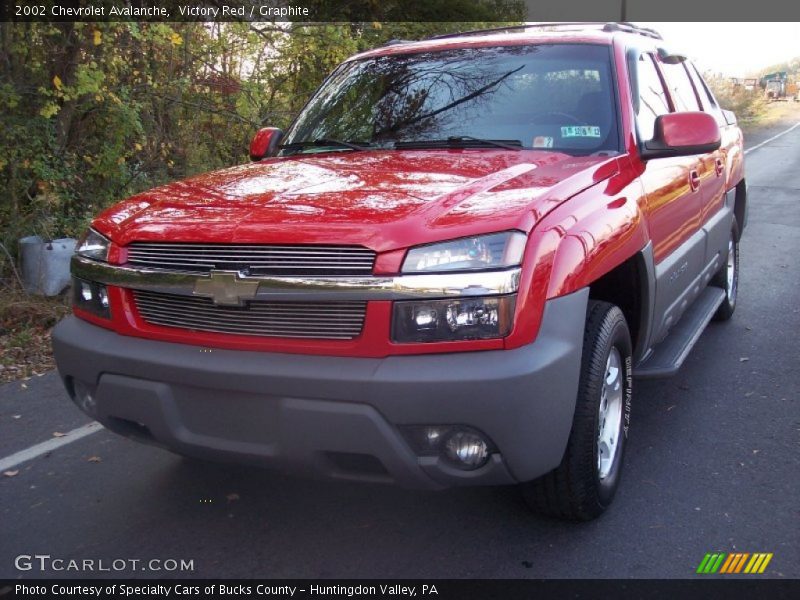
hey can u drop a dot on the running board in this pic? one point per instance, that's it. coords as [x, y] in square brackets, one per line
[668, 356]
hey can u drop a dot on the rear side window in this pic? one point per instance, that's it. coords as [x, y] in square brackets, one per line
[680, 87]
[706, 97]
[702, 89]
[653, 100]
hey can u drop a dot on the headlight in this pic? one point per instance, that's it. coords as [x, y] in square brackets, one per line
[492, 251]
[93, 245]
[471, 318]
[91, 297]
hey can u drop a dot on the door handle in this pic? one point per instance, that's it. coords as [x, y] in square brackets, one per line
[694, 180]
[719, 167]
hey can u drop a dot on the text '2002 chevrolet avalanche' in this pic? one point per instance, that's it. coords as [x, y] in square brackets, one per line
[447, 271]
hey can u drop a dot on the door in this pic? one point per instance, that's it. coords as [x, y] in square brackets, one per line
[673, 188]
[717, 210]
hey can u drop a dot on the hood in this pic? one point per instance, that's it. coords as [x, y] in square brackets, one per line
[384, 200]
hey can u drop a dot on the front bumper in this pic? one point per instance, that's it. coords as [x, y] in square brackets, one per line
[336, 416]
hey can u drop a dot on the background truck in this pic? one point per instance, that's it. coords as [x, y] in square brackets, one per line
[775, 86]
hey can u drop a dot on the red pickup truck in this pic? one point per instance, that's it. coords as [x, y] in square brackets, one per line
[447, 271]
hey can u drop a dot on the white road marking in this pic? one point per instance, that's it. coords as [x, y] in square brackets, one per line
[43, 448]
[772, 139]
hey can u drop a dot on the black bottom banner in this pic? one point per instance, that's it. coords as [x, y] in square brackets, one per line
[437, 589]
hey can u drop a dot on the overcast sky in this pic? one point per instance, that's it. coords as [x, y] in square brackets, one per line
[734, 49]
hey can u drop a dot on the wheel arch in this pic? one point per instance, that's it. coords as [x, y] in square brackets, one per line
[631, 286]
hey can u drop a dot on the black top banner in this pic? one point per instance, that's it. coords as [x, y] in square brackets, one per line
[317, 11]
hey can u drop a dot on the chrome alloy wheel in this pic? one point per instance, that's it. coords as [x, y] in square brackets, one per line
[609, 426]
[730, 270]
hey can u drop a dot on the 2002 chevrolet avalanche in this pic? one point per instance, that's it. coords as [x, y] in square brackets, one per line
[447, 271]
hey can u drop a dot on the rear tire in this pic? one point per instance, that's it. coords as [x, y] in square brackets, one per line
[582, 487]
[727, 277]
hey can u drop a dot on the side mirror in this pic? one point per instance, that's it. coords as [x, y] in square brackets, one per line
[265, 142]
[683, 134]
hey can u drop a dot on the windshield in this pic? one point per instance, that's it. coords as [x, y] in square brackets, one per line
[555, 97]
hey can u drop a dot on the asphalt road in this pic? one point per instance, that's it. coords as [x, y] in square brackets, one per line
[713, 464]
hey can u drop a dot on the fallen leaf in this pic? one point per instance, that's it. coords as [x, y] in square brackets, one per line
[58, 434]
[669, 408]
[756, 451]
[57, 82]
[16, 417]
[232, 497]
[94, 459]
[24, 386]
[10, 473]
[748, 394]
[744, 359]
[98, 37]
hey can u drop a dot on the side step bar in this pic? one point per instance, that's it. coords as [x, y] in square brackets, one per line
[668, 356]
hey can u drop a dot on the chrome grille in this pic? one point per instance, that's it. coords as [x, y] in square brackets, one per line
[321, 320]
[254, 259]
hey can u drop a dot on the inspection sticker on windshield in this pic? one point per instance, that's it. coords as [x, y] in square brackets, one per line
[590, 131]
[543, 141]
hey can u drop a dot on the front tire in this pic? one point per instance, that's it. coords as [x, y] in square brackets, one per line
[582, 487]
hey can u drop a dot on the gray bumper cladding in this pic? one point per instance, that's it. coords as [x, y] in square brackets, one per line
[335, 416]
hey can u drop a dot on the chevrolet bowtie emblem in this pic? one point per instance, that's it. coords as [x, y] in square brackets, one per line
[226, 288]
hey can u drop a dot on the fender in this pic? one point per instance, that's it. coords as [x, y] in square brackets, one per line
[581, 240]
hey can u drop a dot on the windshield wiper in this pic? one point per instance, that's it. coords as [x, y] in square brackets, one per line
[461, 141]
[321, 142]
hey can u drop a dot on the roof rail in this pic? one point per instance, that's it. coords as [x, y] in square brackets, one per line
[627, 27]
[624, 27]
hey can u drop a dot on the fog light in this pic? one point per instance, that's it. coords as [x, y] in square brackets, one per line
[466, 449]
[458, 445]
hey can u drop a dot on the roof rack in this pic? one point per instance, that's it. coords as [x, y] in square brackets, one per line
[627, 27]
[624, 27]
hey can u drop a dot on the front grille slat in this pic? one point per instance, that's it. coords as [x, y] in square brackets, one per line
[306, 320]
[307, 323]
[257, 259]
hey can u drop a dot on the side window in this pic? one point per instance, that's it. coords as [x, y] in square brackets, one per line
[652, 97]
[680, 87]
[706, 97]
